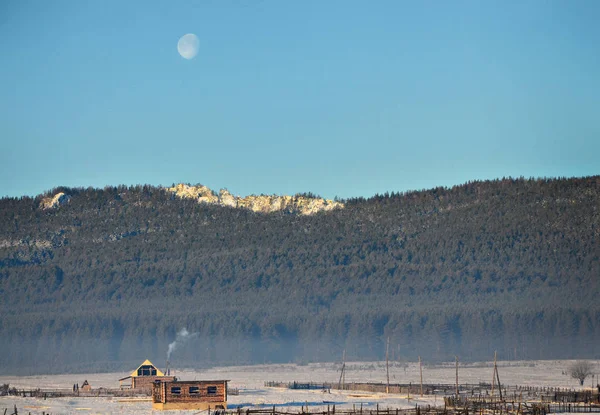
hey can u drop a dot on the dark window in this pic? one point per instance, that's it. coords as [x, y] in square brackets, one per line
[211, 390]
[176, 390]
[147, 370]
[194, 390]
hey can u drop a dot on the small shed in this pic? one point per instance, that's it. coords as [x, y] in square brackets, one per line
[143, 377]
[192, 395]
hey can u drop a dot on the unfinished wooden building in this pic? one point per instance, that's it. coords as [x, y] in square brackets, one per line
[197, 395]
[143, 377]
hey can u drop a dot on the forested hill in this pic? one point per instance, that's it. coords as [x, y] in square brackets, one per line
[109, 277]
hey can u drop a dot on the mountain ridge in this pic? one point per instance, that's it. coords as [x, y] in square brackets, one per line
[298, 204]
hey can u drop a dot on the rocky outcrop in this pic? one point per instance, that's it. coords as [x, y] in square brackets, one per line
[227, 199]
[54, 202]
[301, 205]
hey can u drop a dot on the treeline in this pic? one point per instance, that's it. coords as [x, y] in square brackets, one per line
[109, 278]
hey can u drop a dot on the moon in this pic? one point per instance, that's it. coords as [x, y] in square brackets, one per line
[188, 46]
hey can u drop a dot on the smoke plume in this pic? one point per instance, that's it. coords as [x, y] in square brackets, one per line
[182, 337]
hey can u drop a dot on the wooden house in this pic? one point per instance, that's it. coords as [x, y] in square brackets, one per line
[143, 377]
[193, 395]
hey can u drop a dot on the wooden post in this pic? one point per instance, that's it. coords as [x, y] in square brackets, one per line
[498, 378]
[494, 376]
[456, 377]
[421, 371]
[387, 366]
[342, 377]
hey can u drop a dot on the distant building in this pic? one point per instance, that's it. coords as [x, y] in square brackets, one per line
[143, 377]
[197, 395]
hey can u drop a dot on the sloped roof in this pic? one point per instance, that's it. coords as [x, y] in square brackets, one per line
[147, 363]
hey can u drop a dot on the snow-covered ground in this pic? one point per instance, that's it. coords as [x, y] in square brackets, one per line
[250, 381]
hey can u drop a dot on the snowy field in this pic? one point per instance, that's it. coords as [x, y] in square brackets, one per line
[250, 382]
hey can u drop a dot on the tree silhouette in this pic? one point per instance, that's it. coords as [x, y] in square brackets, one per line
[580, 370]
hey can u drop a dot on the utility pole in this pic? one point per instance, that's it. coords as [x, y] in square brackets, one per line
[498, 379]
[342, 375]
[494, 376]
[421, 371]
[387, 366]
[456, 376]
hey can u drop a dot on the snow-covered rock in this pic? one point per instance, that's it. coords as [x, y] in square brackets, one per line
[227, 199]
[301, 205]
[54, 202]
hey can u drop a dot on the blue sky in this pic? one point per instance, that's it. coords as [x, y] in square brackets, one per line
[340, 98]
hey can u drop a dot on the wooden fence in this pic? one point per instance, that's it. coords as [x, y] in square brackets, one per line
[497, 406]
[59, 393]
[483, 407]
[554, 408]
[99, 392]
[356, 410]
[475, 391]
